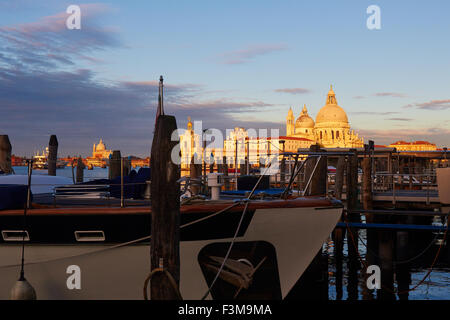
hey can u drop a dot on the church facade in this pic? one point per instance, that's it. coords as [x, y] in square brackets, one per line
[331, 128]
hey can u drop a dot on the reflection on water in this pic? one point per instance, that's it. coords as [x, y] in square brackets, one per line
[353, 284]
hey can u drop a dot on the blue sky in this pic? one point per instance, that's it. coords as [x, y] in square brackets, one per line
[228, 63]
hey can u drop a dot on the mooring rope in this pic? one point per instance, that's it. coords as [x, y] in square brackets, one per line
[247, 201]
[172, 281]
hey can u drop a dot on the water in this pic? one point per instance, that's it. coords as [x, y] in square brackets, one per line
[435, 287]
[96, 173]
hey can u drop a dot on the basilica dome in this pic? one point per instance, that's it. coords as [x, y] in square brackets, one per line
[304, 120]
[331, 113]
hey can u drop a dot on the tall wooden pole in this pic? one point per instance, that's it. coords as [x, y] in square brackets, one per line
[165, 229]
[372, 240]
[114, 164]
[283, 166]
[352, 239]
[52, 155]
[195, 173]
[339, 233]
[80, 170]
[122, 204]
[315, 277]
[5, 154]
[318, 183]
[225, 173]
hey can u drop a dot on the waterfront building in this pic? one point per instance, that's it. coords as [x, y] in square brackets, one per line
[413, 146]
[239, 144]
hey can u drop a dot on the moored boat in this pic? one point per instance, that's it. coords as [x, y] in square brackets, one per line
[276, 241]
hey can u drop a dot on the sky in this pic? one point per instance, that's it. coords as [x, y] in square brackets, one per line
[226, 63]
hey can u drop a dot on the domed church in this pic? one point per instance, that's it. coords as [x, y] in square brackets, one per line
[99, 151]
[331, 128]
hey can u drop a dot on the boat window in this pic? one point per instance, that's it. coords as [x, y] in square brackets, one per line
[94, 235]
[15, 235]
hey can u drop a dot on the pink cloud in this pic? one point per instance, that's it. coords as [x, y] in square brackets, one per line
[251, 52]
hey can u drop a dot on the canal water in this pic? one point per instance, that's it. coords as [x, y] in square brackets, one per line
[435, 287]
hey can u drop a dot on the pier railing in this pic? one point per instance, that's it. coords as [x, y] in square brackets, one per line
[395, 184]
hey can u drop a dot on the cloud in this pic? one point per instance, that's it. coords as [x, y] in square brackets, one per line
[389, 94]
[358, 97]
[248, 54]
[47, 43]
[43, 91]
[399, 119]
[431, 105]
[373, 113]
[293, 90]
[80, 109]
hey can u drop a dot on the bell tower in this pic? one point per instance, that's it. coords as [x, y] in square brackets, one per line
[290, 123]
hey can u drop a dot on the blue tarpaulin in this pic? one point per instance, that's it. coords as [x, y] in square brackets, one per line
[13, 196]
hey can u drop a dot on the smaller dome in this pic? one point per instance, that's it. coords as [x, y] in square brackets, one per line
[304, 120]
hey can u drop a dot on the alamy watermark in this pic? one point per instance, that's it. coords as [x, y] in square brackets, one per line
[74, 280]
[73, 22]
[374, 20]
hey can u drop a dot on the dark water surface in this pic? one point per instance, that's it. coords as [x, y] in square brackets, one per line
[435, 287]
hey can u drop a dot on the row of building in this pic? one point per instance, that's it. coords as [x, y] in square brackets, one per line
[331, 129]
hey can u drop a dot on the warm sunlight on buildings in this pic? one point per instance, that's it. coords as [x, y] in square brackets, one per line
[413, 146]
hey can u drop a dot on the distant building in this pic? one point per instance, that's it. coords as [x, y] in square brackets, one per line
[413, 146]
[189, 145]
[100, 151]
[239, 144]
[17, 161]
[99, 156]
[331, 128]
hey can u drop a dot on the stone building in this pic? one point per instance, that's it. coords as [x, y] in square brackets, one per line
[331, 128]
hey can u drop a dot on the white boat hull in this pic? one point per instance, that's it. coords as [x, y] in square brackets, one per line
[111, 272]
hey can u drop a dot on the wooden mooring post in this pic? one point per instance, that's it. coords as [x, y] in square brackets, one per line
[115, 165]
[318, 178]
[225, 173]
[352, 234]
[367, 202]
[80, 170]
[5, 154]
[339, 233]
[313, 284]
[52, 155]
[195, 173]
[165, 227]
